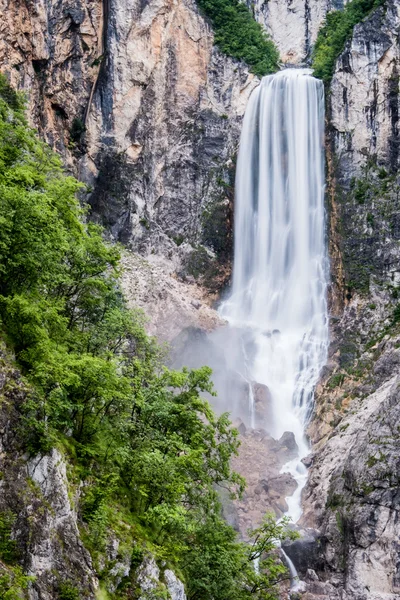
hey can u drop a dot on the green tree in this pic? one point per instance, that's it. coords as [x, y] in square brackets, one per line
[237, 34]
[226, 568]
[13, 584]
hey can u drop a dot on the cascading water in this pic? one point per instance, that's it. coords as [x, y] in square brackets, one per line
[280, 265]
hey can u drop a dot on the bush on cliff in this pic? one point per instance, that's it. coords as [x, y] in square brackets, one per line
[237, 34]
[147, 446]
[337, 29]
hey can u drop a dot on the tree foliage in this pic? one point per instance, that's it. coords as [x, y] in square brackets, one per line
[237, 34]
[14, 583]
[226, 569]
[337, 29]
[143, 443]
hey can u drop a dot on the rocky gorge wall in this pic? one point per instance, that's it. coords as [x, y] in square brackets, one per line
[352, 497]
[142, 107]
[147, 112]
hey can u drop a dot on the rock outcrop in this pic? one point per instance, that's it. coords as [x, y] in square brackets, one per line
[53, 51]
[163, 131]
[354, 494]
[293, 24]
[260, 461]
[170, 304]
[364, 98]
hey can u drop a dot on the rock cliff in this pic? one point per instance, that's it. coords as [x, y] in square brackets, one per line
[352, 494]
[293, 24]
[145, 109]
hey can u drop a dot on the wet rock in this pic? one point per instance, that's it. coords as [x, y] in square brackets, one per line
[288, 445]
[260, 461]
[306, 552]
[311, 575]
[240, 426]
[284, 484]
[307, 461]
[263, 405]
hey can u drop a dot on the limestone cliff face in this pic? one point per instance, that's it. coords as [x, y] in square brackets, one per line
[146, 110]
[52, 51]
[352, 494]
[364, 94]
[293, 24]
[164, 123]
[142, 107]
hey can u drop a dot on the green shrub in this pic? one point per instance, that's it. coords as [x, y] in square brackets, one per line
[337, 29]
[336, 380]
[8, 547]
[68, 591]
[237, 34]
[13, 584]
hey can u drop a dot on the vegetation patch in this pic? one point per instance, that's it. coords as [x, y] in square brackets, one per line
[67, 590]
[14, 584]
[337, 29]
[8, 546]
[336, 380]
[238, 34]
[143, 444]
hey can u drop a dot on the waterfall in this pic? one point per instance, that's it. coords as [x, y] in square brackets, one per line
[280, 265]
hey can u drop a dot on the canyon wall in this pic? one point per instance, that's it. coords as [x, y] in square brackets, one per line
[147, 111]
[352, 497]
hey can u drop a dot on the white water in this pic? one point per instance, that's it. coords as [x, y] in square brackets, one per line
[294, 578]
[280, 265]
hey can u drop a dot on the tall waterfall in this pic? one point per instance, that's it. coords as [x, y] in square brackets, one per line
[280, 264]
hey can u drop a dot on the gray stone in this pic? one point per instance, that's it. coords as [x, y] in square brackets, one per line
[174, 585]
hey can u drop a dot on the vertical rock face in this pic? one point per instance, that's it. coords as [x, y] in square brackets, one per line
[293, 24]
[52, 49]
[353, 489]
[141, 106]
[364, 150]
[164, 123]
[365, 95]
